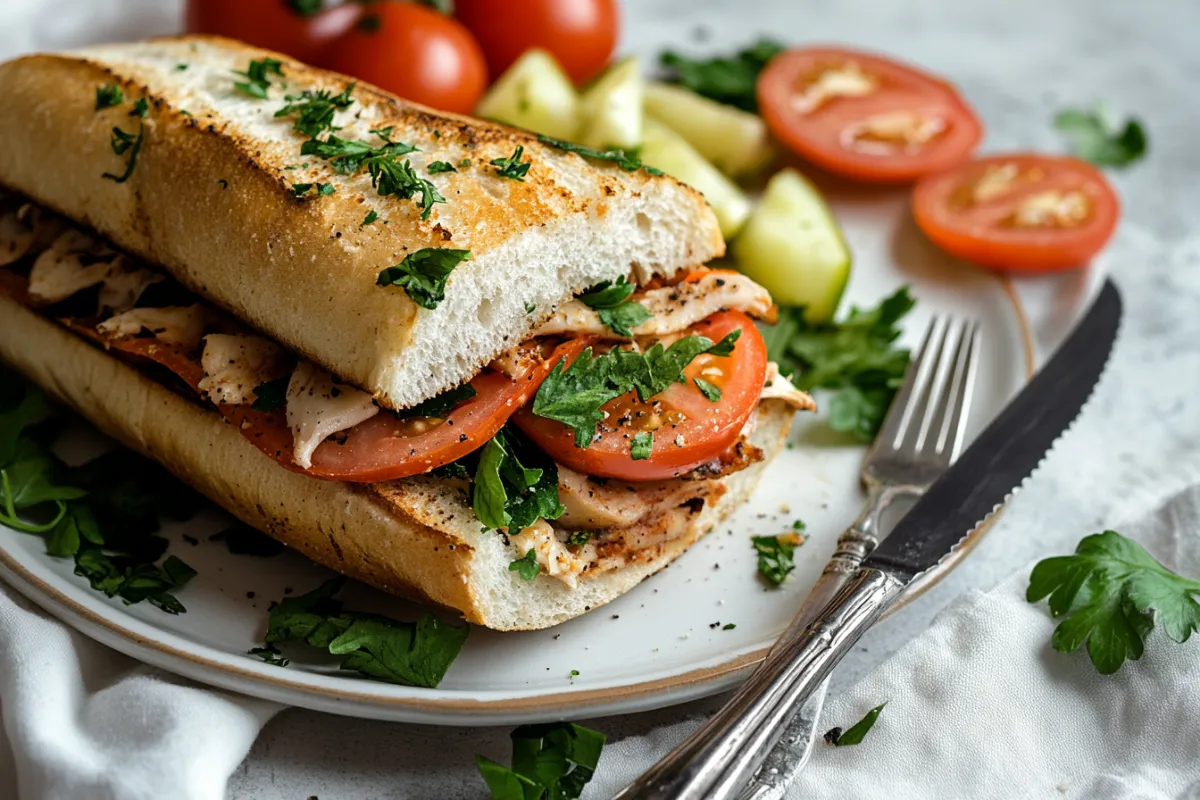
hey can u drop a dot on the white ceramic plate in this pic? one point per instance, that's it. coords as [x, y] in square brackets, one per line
[662, 643]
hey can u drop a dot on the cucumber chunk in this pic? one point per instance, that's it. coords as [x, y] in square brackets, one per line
[611, 108]
[667, 150]
[535, 94]
[792, 245]
[735, 141]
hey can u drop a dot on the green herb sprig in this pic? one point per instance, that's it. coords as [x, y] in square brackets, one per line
[857, 731]
[1096, 137]
[258, 77]
[1110, 594]
[611, 301]
[625, 160]
[314, 110]
[730, 80]
[423, 274]
[549, 762]
[513, 167]
[776, 556]
[514, 484]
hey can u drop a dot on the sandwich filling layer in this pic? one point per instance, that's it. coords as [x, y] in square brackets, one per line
[587, 446]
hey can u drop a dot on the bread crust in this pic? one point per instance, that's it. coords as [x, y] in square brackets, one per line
[417, 539]
[210, 200]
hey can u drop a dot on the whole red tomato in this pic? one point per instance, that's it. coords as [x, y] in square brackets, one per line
[414, 52]
[284, 25]
[580, 33]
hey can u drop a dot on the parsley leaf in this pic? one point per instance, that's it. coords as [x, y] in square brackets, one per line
[109, 95]
[423, 274]
[506, 493]
[513, 167]
[371, 216]
[526, 566]
[409, 653]
[389, 175]
[323, 189]
[440, 405]
[1112, 593]
[574, 395]
[553, 761]
[272, 395]
[711, 391]
[775, 555]
[856, 358]
[140, 108]
[857, 732]
[269, 654]
[258, 77]
[727, 80]
[642, 445]
[314, 110]
[120, 144]
[243, 540]
[624, 160]
[440, 166]
[1095, 137]
[611, 301]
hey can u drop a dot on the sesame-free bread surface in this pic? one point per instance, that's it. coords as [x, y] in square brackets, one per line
[210, 199]
[415, 537]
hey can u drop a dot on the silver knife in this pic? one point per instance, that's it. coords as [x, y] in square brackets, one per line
[717, 761]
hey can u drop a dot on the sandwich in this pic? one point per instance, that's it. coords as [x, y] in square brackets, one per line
[454, 360]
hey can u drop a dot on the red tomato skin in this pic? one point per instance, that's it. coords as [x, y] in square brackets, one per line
[935, 93]
[416, 53]
[705, 439]
[272, 25]
[581, 34]
[1036, 251]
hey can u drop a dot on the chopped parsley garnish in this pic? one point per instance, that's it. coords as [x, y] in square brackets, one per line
[440, 166]
[180, 67]
[512, 167]
[506, 493]
[711, 391]
[728, 626]
[109, 95]
[613, 306]
[855, 735]
[269, 654]
[314, 110]
[530, 307]
[624, 160]
[104, 514]
[349, 155]
[574, 395]
[186, 113]
[580, 538]
[1111, 593]
[526, 566]
[1096, 137]
[224, 183]
[798, 525]
[552, 761]
[304, 8]
[408, 653]
[856, 358]
[642, 445]
[140, 108]
[466, 162]
[573, 673]
[729, 80]
[257, 76]
[775, 553]
[243, 540]
[301, 189]
[423, 274]
[389, 175]
[371, 216]
[272, 395]
[121, 144]
[385, 133]
[440, 405]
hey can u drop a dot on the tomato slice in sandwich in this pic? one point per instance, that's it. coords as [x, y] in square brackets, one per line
[689, 428]
[865, 116]
[386, 446]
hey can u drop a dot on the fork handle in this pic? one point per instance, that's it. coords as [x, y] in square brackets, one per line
[716, 761]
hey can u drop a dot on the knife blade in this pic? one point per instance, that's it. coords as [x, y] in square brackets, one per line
[1008, 451]
[716, 761]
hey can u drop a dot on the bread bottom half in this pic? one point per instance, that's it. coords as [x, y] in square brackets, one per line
[416, 537]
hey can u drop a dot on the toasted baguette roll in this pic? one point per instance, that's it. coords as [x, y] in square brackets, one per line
[210, 199]
[416, 537]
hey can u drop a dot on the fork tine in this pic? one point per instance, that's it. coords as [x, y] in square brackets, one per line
[912, 391]
[952, 424]
[935, 402]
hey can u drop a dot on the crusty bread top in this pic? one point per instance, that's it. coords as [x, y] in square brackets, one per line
[210, 199]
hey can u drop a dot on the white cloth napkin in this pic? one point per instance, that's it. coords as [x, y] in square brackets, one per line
[86, 723]
[980, 706]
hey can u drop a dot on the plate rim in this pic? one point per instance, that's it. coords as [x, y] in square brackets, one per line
[286, 688]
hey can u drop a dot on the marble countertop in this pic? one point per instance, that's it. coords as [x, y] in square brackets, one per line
[1018, 62]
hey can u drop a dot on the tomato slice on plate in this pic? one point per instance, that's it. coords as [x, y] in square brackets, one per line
[865, 116]
[689, 429]
[1022, 212]
[384, 447]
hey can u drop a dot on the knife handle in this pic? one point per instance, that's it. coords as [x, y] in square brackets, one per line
[716, 761]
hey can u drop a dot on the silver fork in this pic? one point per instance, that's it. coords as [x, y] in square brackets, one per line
[922, 435]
